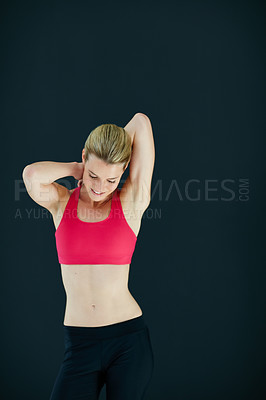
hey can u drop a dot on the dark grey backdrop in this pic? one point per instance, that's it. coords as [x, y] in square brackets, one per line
[197, 69]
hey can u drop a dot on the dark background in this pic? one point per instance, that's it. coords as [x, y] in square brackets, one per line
[197, 70]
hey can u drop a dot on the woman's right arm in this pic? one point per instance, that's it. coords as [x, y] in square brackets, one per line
[39, 180]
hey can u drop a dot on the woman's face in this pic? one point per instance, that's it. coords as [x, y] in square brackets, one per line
[100, 177]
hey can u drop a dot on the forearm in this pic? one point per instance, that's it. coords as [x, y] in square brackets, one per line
[49, 171]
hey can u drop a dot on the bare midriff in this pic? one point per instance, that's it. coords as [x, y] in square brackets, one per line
[97, 295]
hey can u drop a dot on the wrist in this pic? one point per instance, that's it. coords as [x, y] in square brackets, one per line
[74, 166]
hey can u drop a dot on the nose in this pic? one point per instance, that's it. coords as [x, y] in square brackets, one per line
[99, 189]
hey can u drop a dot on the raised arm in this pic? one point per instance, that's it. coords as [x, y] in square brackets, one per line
[39, 179]
[142, 159]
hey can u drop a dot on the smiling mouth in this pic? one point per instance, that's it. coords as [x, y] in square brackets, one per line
[98, 194]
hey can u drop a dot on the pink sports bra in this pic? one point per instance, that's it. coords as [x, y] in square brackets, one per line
[111, 241]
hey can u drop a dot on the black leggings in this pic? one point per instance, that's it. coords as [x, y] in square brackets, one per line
[119, 355]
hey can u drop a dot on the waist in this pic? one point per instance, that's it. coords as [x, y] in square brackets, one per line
[105, 298]
[96, 311]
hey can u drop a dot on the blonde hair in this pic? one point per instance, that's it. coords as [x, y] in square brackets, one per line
[110, 143]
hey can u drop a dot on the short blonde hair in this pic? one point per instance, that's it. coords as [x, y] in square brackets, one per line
[110, 143]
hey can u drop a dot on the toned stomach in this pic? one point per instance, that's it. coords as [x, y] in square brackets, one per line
[97, 295]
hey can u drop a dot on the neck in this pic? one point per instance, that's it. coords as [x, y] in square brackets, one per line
[85, 197]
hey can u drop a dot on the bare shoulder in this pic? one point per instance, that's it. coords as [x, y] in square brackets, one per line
[58, 210]
[64, 194]
[129, 207]
[132, 200]
[63, 191]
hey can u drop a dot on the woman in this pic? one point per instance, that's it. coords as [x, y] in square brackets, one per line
[106, 338]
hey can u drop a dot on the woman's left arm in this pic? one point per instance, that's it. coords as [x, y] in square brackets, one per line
[142, 159]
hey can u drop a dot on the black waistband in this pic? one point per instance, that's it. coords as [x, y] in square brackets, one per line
[103, 332]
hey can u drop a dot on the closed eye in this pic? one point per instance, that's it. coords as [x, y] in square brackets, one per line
[95, 177]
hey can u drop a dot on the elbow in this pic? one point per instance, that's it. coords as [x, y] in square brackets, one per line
[27, 171]
[143, 119]
[141, 115]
